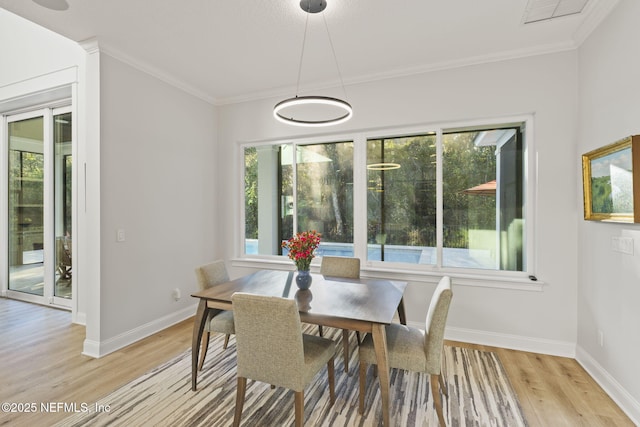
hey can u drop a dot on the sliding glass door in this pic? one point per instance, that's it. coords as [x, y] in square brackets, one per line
[26, 205]
[39, 206]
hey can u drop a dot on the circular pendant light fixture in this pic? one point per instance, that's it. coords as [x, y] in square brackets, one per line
[313, 110]
[386, 166]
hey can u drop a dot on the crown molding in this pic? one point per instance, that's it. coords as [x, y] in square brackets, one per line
[409, 71]
[90, 45]
[596, 13]
[157, 73]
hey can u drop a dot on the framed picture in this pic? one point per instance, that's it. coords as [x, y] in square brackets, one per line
[611, 182]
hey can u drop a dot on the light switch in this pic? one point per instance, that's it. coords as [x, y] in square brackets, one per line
[625, 244]
[120, 237]
[622, 244]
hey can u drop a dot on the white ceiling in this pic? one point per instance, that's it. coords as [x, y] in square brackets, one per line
[232, 50]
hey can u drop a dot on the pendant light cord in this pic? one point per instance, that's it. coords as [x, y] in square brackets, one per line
[304, 38]
[335, 58]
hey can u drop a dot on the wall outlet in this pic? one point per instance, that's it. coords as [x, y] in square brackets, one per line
[176, 294]
[120, 236]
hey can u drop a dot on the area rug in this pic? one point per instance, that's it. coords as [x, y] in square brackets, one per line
[479, 395]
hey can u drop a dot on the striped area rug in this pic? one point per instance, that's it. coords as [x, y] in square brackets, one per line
[479, 395]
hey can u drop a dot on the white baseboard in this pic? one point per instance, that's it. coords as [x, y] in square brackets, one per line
[619, 394]
[514, 342]
[91, 348]
[99, 349]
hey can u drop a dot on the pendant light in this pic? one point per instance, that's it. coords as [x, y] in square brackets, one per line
[311, 111]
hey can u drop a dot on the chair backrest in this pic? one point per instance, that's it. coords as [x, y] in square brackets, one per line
[435, 324]
[269, 340]
[338, 266]
[211, 274]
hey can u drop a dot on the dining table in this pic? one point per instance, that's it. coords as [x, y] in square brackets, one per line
[366, 305]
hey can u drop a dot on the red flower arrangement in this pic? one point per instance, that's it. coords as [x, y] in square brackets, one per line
[301, 248]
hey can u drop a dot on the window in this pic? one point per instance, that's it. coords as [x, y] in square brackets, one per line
[449, 198]
[311, 191]
[401, 199]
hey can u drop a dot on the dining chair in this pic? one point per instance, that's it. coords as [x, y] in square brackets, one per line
[415, 349]
[63, 258]
[271, 348]
[348, 268]
[209, 275]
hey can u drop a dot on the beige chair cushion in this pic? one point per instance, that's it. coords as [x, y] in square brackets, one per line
[405, 345]
[435, 324]
[221, 322]
[412, 348]
[270, 344]
[209, 275]
[340, 267]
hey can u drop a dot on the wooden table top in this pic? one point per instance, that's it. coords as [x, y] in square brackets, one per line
[360, 300]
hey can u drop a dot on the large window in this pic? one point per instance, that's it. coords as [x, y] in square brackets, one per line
[442, 199]
[401, 199]
[292, 187]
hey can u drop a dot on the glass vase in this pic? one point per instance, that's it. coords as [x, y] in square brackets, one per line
[303, 279]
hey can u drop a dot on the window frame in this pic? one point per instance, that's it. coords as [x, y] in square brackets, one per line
[416, 272]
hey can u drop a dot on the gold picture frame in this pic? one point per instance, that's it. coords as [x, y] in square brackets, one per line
[611, 182]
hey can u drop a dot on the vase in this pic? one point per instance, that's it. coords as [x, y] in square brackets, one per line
[303, 279]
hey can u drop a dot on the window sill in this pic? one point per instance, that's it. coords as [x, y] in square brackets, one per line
[509, 281]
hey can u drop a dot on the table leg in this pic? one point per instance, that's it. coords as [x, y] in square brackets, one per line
[380, 345]
[401, 312]
[198, 328]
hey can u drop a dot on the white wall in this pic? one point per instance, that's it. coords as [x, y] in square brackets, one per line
[609, 282]
[545, 86]
[158, 184]
[28, 50]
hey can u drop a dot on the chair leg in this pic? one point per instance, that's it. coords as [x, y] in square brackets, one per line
[345, 349]
[358, 337]
[203, 350]
[437, 401]
[226, 342]
[242, 387]
[320, 330]
[332, 380]
[442, 386]
[299, 405]
[363, 382]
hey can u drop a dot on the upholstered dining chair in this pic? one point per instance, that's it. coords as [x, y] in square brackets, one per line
[210, 275]
[345, 267]
[413, 349]
[271, 348]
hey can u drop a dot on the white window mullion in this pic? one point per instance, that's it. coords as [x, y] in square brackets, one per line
[4, 208]
[294, 181]
[360, 249]
[439, 200]
[49, 206]
[530, 169]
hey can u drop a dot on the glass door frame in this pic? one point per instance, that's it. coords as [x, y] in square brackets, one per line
[49, 213]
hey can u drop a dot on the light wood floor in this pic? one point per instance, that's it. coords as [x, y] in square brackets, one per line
[40, 361]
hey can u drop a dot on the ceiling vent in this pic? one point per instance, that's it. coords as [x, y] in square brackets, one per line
[542, 10]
